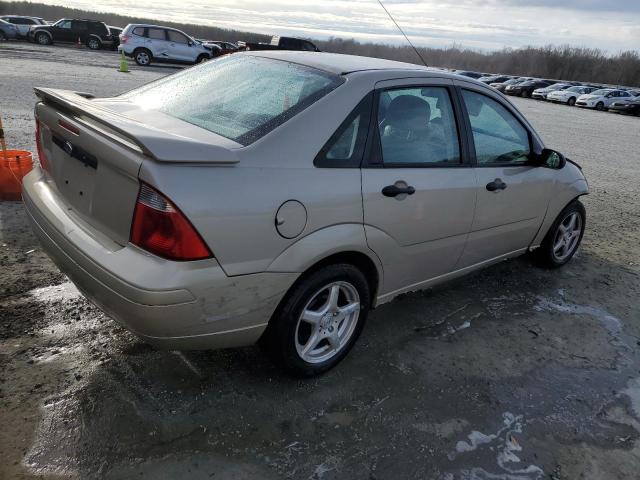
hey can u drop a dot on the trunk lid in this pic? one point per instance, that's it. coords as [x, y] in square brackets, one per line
[95, 148]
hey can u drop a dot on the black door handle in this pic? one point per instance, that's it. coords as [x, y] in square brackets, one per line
[394, 190]
[497, 184]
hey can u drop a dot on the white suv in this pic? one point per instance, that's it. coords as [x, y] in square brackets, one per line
[147, 43]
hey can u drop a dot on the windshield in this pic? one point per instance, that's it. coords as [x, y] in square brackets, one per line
[239, 97]
[601, 92]
[577, 89]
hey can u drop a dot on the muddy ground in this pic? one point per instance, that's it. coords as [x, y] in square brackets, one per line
[511, 373]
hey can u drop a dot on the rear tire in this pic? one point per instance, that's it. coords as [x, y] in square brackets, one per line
[571, 102]
[202, 58]
[43, 39]
[319, 320]
[3, 37]
[564, 237]
[93, 43]
[525, 94]
[142, 56]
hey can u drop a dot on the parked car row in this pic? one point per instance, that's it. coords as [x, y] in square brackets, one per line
[142, 42]
[598, 97]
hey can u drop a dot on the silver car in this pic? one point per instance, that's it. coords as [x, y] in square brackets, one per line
[149, 43]
[279, 196]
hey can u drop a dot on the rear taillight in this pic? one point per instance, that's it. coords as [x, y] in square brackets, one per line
[44, 162]
[160, 228]
[123, 38]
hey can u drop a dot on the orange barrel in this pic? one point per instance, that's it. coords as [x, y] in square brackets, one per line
[14, 164]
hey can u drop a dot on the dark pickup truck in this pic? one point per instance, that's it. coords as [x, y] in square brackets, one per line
[281, 43]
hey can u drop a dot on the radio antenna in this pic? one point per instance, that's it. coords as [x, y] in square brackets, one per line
[404, 34]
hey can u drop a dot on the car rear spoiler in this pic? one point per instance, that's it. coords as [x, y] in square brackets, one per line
[160, 145]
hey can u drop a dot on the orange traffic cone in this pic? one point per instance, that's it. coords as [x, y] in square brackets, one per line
[79, 44]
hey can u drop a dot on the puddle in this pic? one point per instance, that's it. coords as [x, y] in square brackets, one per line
[506, 447]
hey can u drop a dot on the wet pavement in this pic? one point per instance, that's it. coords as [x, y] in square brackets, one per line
[514, 372]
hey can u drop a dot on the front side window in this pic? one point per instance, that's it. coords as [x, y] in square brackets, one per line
[241, 98]
[498, 136]
[417, 126]
[177, 37]
[64, 24]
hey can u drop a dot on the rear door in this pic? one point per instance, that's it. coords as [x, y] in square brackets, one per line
[512, 195]
[80, 30]
[417, 185]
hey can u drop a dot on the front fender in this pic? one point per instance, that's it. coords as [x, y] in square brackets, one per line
[565, 193]
[315, 247]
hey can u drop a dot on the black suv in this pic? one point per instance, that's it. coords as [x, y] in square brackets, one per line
[93, 34]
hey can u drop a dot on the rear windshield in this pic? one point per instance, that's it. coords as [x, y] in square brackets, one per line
[239, 97]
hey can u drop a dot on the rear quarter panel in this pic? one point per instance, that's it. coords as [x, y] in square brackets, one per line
[234, 208]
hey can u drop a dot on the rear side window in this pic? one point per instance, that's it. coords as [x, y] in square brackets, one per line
[239, 97]
[138, 31]
[346, 145]
[498, 136]
[156, 34]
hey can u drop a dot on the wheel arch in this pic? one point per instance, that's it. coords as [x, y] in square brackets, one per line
[570, 193]
[345, 243]
[46, 32]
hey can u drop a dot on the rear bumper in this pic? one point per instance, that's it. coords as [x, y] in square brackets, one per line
[175, 305]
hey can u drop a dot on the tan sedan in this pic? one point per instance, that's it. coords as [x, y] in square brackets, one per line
[279, 196]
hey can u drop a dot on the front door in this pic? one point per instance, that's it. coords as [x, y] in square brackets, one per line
[418, 189]
[62, 32]
[180, 48]
[512, 194]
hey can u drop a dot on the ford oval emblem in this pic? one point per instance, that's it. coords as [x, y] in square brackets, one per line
[68, 147]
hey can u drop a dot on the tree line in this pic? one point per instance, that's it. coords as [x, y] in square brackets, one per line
[555, 62]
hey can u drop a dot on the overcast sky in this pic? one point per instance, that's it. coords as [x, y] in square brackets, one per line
[612, 25]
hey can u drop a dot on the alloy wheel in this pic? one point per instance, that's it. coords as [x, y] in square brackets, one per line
[142, 58]
[567, 236]
[327, 322]
[43, 39]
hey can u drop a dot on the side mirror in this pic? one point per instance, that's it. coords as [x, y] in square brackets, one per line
[191, 44]
[551, 159]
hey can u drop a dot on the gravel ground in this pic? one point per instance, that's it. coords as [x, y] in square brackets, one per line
[511, 373]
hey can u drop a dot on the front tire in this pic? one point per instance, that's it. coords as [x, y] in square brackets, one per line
[202, 58]
[564, 237]
[43, 39]
[525, 94]
[143, 57]
[319, 320]
[600, 106]
[3, 37]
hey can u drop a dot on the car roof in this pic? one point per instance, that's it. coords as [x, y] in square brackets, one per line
[341, 64]
[150, 25]
[21, 16]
